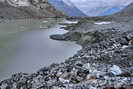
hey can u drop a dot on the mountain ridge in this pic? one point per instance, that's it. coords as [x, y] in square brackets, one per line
[38, 10]
[127, 11]
[68, 8]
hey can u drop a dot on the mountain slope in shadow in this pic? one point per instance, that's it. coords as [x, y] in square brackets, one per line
[70, 10]
[127, 11]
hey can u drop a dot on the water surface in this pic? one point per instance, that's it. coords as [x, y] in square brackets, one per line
[25, 46]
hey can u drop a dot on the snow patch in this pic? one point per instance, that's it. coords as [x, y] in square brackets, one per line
[71, 22]
[102, 23]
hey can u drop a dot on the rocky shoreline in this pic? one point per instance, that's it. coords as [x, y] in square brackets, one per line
[111, 45]
[104, 62]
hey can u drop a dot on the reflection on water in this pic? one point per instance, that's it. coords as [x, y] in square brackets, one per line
[26, 48]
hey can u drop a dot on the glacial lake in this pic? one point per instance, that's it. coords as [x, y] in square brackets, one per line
[25, 46]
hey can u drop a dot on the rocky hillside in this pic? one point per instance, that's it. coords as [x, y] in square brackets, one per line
[12, 9]
[126, 12]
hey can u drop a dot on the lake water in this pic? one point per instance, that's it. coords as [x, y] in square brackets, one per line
[25, 46]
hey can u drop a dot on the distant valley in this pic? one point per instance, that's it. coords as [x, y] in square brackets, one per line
[68, 8]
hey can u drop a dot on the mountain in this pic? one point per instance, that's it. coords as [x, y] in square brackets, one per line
[126, 12]
[67, 7]
[98, 7]
[102, 10]
[97, 11]
[19, 9]
[111, 10]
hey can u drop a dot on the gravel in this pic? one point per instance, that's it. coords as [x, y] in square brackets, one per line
[103, 63]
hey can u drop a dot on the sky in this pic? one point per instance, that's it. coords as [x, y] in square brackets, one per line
[107, 2]
[88, 5]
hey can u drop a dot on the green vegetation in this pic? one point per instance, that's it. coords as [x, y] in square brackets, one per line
[86, 38]
[102, 18]
[130, 58]
[76, 36]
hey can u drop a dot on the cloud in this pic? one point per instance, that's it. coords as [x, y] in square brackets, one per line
[102, 2]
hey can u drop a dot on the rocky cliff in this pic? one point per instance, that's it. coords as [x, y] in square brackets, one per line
[19, 9]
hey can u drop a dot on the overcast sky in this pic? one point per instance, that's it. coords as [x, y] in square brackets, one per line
[88, 5]
[108, 2]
